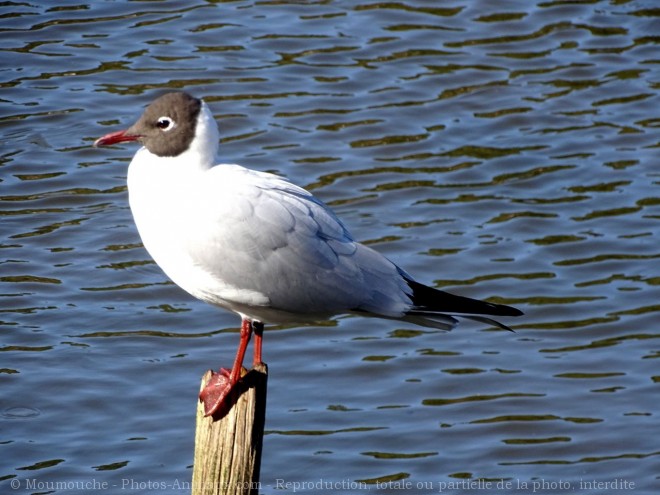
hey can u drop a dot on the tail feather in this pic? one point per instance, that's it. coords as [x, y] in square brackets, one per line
[428, 302]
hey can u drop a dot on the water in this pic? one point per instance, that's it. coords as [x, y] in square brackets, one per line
[501, 150]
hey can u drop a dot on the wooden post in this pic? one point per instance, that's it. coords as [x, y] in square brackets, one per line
[228, 449]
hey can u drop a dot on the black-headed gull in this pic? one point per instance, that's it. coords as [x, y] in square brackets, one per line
[258, 245]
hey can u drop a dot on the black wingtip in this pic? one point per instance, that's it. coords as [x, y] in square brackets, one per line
[425, 298]
[512, 311]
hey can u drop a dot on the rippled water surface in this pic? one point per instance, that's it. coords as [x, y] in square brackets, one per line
[501, 150]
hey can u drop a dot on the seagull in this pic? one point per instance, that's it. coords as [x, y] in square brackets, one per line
[258, 245]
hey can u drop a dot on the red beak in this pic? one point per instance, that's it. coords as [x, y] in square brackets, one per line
[114, 138]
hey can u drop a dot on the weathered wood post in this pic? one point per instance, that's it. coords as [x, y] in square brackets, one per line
[228, 449]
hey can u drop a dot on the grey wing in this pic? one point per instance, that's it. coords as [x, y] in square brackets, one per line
[276, 240]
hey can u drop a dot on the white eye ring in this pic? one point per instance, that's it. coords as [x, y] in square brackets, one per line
[165, 124]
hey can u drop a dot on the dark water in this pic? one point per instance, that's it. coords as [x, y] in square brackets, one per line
[502, 150]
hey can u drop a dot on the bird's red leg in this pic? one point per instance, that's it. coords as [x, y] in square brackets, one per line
[258, 328]
[220, 384]
[246, 333]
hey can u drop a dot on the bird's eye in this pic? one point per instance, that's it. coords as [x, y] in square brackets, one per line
[165, 123]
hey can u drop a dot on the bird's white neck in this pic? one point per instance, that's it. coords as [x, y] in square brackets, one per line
[204, 146]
